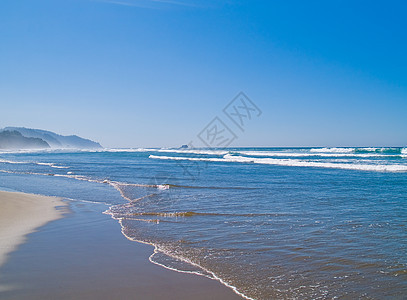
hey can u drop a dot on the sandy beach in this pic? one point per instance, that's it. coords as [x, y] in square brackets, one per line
[22, 214]
[83, 256]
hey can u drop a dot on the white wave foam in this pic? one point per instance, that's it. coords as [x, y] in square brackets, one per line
[294, 163]
[128, 150]
[375, 149]
[186, 158]
[301, 163]
[157, 249]
[163, 186]
[11, 162]
[336, 150]
[115, 184]
[195, 151]
[166, 150]
[370, 149]
[314, 154]
[404, 151]
[52, 165]
[50, 150]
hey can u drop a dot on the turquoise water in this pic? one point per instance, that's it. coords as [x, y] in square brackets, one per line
[285, 223]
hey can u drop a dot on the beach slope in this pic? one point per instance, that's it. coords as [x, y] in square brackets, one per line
[21, 214]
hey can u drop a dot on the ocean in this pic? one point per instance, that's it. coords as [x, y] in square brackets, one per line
[270, 223]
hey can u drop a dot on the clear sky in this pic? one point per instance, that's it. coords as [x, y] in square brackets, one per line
[144, 73]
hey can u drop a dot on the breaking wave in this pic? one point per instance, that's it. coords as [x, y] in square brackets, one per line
[387, 150]
[151, 204]
[293, 163]
[383, 150]
[52, 165]
[333, 150]
[313, 154]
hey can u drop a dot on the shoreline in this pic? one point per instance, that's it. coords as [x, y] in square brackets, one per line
[85, 256]
[22, 214]
[156, 250]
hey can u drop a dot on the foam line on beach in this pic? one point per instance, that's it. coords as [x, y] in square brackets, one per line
[209, 274]
[193, 214]
[117, 185]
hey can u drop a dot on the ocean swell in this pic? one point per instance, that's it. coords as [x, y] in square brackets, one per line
[294, 163]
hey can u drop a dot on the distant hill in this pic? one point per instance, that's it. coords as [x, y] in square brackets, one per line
[15, 140]
[55, 140]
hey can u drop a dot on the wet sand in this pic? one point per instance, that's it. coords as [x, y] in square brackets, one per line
[20, 215]
[85, 256]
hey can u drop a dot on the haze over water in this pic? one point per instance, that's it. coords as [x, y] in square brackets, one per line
[269, 222]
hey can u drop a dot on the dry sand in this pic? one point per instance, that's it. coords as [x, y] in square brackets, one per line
[21, 214]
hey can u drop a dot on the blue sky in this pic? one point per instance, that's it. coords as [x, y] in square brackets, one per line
[143, 73]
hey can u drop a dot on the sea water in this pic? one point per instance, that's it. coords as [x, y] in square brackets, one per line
[271, 223]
